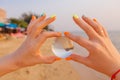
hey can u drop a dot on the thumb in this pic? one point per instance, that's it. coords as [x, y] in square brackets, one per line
[29, 28]
[50, 59]
[79, 59]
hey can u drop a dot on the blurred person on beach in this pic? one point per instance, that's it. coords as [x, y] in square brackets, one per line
[103, 56]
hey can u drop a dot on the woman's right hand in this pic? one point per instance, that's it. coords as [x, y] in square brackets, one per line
[103, 56]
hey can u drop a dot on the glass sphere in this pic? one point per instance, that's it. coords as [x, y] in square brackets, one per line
[62, 47]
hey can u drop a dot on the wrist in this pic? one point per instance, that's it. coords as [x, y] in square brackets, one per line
[116, 75]
[11, 62]
[113, 69]
[112, 65]
[16, 60]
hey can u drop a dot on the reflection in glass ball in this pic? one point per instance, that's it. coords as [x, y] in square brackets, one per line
[62, 47]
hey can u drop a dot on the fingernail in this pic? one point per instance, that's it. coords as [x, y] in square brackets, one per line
[33, 17]
[68, 58]
[83, 16]
[52, 16]
[94, 20]
[66, 33]
[42, 14]
[75, 16]
[57, 59]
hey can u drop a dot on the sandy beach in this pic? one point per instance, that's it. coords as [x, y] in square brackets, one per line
[60, 70]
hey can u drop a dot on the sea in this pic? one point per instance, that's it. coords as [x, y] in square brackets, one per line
[85, 72]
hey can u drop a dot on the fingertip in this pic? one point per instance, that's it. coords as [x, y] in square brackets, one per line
[53, 16]
[67, 33]
[43, 14]
[75, 16]
[42, 17]
[68, 58]
[70, 36]
[84, 17]
[95, 20]
[33, 17]
[76, 19]
[58, 59]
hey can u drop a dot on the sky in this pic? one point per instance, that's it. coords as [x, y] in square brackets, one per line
[107, 12]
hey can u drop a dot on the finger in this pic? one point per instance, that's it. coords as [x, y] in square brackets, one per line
[42, 37]
[51, 34]
[29, 27]
[39, 27]
[94, 25]
[46, 22]
[33, 18]
[87, 28]
[36, 21]
[100, 29]
[80, 40]
[49, 59]
[104, 30]
[79, 59]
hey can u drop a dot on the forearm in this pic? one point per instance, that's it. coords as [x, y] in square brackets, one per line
[7, 64]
